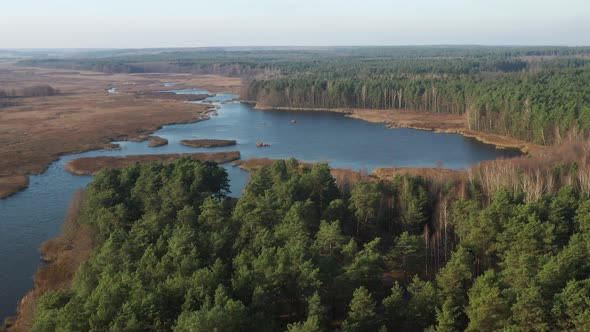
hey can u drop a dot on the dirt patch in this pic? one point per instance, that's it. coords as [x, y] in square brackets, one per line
[12, 184]
[84, 116]
[93, 165]
[438, 122]
[207, 143]
[156, 141]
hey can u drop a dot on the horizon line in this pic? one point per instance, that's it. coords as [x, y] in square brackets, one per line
[290, 46]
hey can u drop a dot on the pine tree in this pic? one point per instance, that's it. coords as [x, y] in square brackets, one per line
[362, 314]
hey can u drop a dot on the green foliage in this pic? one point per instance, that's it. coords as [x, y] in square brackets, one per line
[537, 94]
[363, 202]
[452, 282]
[175, 253]
[541, 105]
[367, 266]
[530, 312]
[315, 317]
[223, 314]
[48, 306]
[422, 303]
[487, 309]
[582, 218]
[406, 252]
[414, 203]
[362, 315]
[447, 317]
[572, 308]
[329, 239]
[395, 308]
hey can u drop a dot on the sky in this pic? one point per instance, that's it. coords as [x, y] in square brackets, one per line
[197, 23]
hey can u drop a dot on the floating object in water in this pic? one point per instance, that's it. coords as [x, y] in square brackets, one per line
[262, 145]
[293, 121]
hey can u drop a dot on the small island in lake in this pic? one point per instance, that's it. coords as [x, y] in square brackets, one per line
[156, 141]
[207, 143]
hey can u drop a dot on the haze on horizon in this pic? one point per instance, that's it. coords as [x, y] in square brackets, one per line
[186, 23]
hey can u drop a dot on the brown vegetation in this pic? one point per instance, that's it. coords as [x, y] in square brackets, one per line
[211, 83]
[156, 141]
[93, 165]
[12, 184]
[544, 172]
[253, 163]
[44, 90]
[39, 91]
[207, 143]
[84, 117]
[433, 174]
[64, 253]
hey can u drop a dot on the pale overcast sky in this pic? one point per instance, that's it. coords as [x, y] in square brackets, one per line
[193, 23]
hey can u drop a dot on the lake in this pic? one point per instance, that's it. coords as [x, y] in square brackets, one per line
[35, 215]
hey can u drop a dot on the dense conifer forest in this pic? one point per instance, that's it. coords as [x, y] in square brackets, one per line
[503, 245]
[300, 251]
[536, 94]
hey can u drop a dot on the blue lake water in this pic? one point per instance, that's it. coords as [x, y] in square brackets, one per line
[35, 215]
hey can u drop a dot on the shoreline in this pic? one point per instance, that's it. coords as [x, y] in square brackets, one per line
[384, 173]
[7, 190]
[419, 120]
[10, 185]
[63, 254]
[93, 165]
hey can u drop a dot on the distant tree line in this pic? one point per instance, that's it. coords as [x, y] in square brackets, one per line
[541, 107]
[8, 98]
[537, 94]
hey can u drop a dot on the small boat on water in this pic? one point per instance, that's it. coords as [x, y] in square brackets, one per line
[293, 121]
[262, 145]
